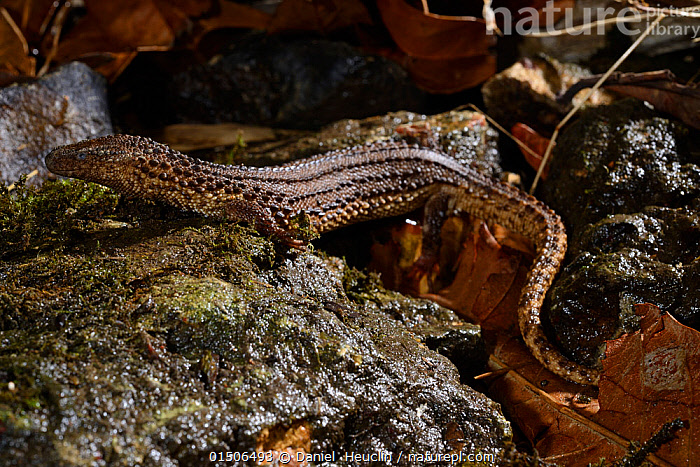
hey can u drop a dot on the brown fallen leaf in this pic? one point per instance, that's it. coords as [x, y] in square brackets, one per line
[659, 88]
[443, 54]
[178, 14]
[118, 27]
[534, 141]
[651, 377]
[109, 36]
[475, 275]
[552, 413]
[482, 276]
[232, 15]
[293, 439]
[425, 36]
[324, 17]
[447, 76]
[393, 259]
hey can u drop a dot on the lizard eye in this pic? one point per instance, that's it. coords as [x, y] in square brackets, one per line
[81, 156]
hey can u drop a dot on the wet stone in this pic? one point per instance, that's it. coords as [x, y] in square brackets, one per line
[291, 83]
[63, 107]
[526, 91]
[158, 344]
[626, 181]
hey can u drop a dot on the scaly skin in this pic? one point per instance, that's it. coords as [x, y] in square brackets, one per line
[334, 190]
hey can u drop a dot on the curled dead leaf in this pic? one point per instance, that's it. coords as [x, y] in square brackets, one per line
[650, 379]
[324, 17]
[534, 141]
[659, 88]
[443, 54]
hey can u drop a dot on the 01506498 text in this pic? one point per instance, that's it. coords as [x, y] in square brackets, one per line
[237, 456]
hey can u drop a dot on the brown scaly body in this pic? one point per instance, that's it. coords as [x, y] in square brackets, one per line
[336, 189]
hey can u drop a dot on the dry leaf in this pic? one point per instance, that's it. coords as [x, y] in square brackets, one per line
[177, 13]
[322, 16]
[126, 26]
[442, 54]
[659, 88]
[449, 75]
[393, 259]
[475, 275]
[552, 413]
[294, 440]
[651, 377]
[423, 36]
[483, 275]
[535, 142]
[233, 15]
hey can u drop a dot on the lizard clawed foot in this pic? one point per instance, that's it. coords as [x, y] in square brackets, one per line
[295, 243]
[487, 236]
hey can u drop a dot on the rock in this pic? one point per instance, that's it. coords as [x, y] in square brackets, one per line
[63, 107]
[628, 193]
[293, 84]
[136, 335]
[592, 300]
[618, 160]
[168, 342]
[526, 92]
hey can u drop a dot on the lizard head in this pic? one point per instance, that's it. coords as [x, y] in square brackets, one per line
[137, 166]
[97, 159]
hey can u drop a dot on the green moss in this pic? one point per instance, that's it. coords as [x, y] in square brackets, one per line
[32, 218]
[163, 417]
[232, 240]
[360, 286]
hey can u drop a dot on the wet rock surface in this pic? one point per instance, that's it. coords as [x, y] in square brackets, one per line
[158, 348]
[133, 334]
[292, 84]
[626, 181]
[63, 107]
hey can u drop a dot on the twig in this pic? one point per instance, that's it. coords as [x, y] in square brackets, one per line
[57, 27]
[687, 12]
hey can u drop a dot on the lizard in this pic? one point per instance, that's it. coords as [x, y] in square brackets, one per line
[337, 189]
